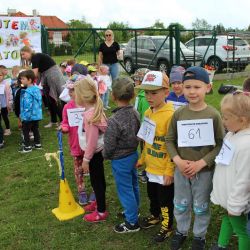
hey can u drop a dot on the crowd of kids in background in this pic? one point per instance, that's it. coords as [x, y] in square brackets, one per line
[175, 136]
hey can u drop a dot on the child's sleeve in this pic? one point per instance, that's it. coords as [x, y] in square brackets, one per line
[239, 196]
[171, 138]
[65, 122]
[110, 139]
[141, 161]
[219, 134]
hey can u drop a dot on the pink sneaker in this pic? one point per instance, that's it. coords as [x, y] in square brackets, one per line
[96, 217]
[91, 207]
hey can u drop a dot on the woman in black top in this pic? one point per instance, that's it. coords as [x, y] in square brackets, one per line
[51, 78]
[109, 50]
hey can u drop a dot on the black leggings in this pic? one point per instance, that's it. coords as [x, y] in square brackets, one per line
[97, 179]
[55, 109]
[1, 130]
[4, 112]
[161, 197]
[30, 126]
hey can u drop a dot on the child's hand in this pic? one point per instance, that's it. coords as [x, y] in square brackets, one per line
[85, 167]
[181, 164]
[194, 167]
[168, 180]
[64, 129]
[138, 165]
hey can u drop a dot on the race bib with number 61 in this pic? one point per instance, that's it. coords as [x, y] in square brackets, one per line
[195, 133]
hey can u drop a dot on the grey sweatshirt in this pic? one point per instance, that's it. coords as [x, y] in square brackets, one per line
[120, 138]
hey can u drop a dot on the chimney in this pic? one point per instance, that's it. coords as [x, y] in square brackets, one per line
[11, 11]
[35, 12]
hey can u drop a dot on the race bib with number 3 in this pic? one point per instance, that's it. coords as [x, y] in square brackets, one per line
[195, 133]
[147, 131]
[226, 153]
[75, 116]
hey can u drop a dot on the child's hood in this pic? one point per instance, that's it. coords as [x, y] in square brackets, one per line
[102, 125]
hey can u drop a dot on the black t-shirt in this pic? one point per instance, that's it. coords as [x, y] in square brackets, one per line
[109, 53]
[42, 62]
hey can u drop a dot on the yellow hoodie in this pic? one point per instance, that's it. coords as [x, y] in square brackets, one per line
[155, 156]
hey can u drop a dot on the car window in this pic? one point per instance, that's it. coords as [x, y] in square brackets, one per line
[131, 43]
[159, 42]
[238, 42]
[148, 44]
[190, 44]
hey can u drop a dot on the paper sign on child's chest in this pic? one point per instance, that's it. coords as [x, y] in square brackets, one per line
[226, 153]
[147, 131]
[195, 133]
[2, 88]
[75, 116]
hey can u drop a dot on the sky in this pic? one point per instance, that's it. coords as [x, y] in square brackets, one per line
[139, 13]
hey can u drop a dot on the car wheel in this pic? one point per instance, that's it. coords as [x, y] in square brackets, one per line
[216, 63]
[163, 66]
[129, 66]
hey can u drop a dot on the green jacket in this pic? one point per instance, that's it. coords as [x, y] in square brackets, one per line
[142, 104]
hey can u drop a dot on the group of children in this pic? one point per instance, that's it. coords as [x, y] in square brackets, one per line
[188, 161]
[184, 152]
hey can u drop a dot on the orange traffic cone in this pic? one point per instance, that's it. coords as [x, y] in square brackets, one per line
[67, 208]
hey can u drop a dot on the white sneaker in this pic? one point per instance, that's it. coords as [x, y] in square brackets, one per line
[7, 132]
[49, 125]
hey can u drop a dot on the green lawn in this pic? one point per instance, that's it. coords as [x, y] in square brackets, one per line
[29, 190]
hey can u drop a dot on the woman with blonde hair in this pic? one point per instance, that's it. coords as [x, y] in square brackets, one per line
[90, 134]
[109, 52]
[51, 78]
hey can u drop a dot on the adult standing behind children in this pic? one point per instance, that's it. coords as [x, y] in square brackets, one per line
[109, 52]
[51, 78]
[194, 139]
[30, 111]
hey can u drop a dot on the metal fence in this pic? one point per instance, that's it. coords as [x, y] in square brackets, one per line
[152, 48]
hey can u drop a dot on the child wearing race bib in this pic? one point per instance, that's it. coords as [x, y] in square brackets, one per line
[120, 146]
[75, 150]
[176, 95]
[159, 168]
[231, 181]
[93, 127]
[194, 139]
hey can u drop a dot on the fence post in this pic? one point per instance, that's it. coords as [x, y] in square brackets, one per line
[177, 44]
[194, 48]
[44, 40]
[171, 45]
[136, 48]
[94, 44]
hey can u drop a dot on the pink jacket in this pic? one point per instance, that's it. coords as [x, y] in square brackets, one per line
[75, 149]
[92, 133]
[7, 92]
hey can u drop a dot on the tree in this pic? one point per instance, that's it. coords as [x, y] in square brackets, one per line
[201, 24]
[157, 25]
[220, 29]
[76, 38]
[121, 35]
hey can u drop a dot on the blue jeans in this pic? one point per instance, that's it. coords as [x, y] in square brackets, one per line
[113, 70]
[194, 193]
[105, 98]
[126, 179]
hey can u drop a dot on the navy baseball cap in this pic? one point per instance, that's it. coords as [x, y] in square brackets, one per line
[196, 73]
[79, 68]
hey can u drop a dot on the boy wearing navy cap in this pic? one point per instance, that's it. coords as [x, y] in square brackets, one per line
[194, 139]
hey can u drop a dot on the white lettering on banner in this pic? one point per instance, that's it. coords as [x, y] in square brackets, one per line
[2, 88]
[147, 131]
[195, 133]
[226, 153]
[75, 116]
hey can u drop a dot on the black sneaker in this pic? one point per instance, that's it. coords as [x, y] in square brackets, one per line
[37, 146]
[163, 234]
[177, 241]
[198, 243]
[126, 227]
[217, 247]
[25, 150]
[149, 221]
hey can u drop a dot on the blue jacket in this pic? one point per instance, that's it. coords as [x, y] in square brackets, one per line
[174, 98]
[31, 104]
